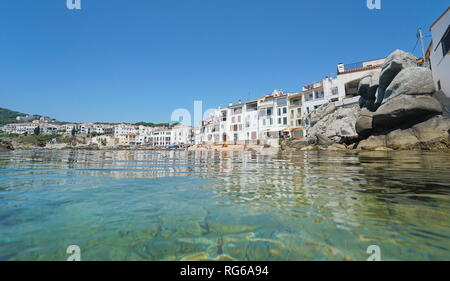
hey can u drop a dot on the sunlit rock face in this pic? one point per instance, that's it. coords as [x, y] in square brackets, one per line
[395, 62]
[404, 105]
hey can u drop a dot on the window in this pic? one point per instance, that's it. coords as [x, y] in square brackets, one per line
[334, 91]
[279, 120]
[446, 42]
[284, 110]
[285, 121]
[318, 95]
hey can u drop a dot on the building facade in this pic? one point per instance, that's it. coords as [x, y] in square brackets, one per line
[439, 52]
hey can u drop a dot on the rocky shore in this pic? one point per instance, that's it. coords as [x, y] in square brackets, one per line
[399, 109]
[230, 148]
[6, 145]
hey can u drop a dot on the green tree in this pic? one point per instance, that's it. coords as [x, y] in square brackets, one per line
[74, 132]
[37, 131]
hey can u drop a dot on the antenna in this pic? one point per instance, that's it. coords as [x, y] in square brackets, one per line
[420, 36]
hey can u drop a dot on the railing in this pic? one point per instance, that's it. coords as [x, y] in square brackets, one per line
[351, 66]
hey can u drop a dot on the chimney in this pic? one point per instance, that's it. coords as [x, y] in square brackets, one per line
[340, 67]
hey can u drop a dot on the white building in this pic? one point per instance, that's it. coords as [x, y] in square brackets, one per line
[296, 115]
[182, 135]
[86, 128]
[160, 137]
[251, 124]
[266, 117]
[103, 129]
[67, 128]
[273, 117]
[349, 76]
[313, 97]
[281, 121]
[123, 129]
[236, 125]
[439, 52]
[20, 128]
[29, 128]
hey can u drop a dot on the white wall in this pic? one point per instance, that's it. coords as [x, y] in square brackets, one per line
[440, 65]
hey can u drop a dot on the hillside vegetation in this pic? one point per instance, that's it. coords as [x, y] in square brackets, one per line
[8, 116]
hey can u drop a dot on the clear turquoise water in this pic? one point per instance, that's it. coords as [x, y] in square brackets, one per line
[144, 205]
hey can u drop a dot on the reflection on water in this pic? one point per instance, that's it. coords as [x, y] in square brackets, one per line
[147, 205]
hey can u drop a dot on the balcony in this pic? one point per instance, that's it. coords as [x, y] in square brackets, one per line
[296, 103]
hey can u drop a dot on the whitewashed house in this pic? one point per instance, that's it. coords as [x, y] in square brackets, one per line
[273, 118]
[123, 129]
[251, 124]
[67, 128]
[182, 135]
[439, 52]
[237, 135]
[281, 117]
[296, 117]
[266, 117]
[20, 128]
[313, 96]
[349, 76]
[86, 128]
[160, 136]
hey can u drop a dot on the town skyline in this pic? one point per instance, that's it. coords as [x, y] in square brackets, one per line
[259, 55]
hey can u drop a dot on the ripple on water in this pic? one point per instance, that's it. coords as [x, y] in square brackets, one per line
[149, 205]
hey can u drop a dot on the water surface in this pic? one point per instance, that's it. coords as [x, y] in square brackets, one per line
[148, 205]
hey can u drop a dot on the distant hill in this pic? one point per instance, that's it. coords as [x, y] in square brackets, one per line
[8, 116]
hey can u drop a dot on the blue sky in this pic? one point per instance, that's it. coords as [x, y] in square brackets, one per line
[129, 61]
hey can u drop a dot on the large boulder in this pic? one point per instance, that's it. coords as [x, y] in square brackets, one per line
[373, 142]
[432, 130]
[405, 110]
[411, 81]
[367, 88]
[338, 126]
[395, 62]
[374, 84]
[365, 103]
[432, 134]
[364, 123]
[401, 139]
[379, 96]
[445, 102]
[363, 87]
[321, 112]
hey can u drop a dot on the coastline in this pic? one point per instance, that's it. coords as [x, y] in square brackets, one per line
[284, 149]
